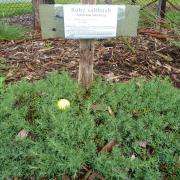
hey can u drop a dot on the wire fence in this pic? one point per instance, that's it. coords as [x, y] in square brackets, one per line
[149, 8]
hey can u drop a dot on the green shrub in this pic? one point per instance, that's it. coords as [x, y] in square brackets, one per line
[61, 142]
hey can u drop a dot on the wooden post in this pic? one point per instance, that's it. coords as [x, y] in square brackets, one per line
[36, 19]
[86, 58]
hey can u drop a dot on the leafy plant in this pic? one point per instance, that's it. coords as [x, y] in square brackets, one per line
[144, 124]
[48, 44]
[11, 32]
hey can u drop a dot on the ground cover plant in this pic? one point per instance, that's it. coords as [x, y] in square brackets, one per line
[140, 117]
[11, 32]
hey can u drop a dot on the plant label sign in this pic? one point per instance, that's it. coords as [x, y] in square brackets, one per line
[90, 21]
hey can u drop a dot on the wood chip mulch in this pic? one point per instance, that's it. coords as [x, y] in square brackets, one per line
[117, 60]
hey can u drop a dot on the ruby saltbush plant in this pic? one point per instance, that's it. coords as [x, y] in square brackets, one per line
[39, 140]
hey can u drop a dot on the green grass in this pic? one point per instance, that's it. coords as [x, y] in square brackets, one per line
[11, 32]
[58, 142]
[148, 16]
[12, 9]
[174, 16]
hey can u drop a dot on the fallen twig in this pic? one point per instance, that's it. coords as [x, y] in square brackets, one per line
[109, 146]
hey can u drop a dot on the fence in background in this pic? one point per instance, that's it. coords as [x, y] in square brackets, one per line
[149, 8]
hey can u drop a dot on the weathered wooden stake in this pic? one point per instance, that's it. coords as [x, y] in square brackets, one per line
[86, 63]
[36, 16]
[86, 58]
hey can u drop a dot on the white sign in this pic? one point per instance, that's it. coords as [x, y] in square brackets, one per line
[91, 21]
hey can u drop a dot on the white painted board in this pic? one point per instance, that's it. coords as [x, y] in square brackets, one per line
[91, 21]
[52, 22]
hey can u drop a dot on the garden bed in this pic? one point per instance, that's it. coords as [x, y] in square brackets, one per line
[118, 60]
[124, 127]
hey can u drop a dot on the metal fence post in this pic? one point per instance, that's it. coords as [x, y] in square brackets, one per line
[161, 12]
[161, 9]
[133, 2]
[48, 1]
[108, 1]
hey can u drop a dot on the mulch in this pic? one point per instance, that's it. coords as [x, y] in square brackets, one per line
[149, 54]
[116, 59]
[25, 20]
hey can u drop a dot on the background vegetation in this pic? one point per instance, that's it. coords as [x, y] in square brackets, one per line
[16, 8]
[12, 9]
[11, 32]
